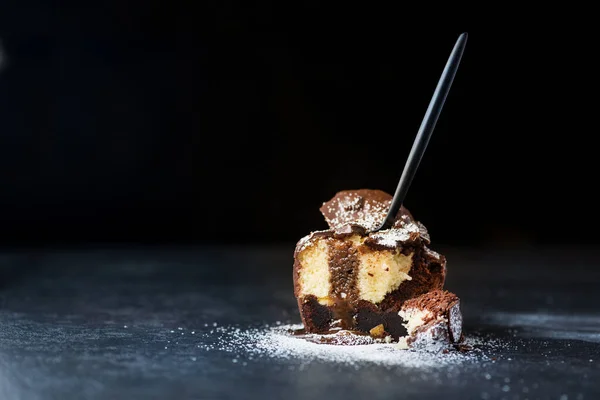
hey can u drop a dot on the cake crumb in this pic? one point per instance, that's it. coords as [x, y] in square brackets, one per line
[378, 331]
[402, 344]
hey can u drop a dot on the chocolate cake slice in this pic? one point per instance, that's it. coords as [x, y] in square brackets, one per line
[349, 277]
[433, 321]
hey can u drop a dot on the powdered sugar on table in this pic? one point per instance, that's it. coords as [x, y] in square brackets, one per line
[279, 343]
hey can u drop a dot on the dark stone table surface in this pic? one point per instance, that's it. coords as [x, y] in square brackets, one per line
[117, 324]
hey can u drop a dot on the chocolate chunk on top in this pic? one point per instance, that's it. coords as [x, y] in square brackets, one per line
[366, 208]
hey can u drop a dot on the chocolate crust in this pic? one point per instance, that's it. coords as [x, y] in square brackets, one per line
[445, 323]
[438, 302]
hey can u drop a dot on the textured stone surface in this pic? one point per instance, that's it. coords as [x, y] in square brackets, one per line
[105, 325]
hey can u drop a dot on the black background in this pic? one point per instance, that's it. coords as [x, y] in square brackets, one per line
[178, 123]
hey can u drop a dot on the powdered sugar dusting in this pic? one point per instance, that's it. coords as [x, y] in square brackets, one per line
[304, 242]
[352, 208]
[423, 232]
[341, 337]
[432, 253]
[392, 237]
[278, 343]
[433, 339]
